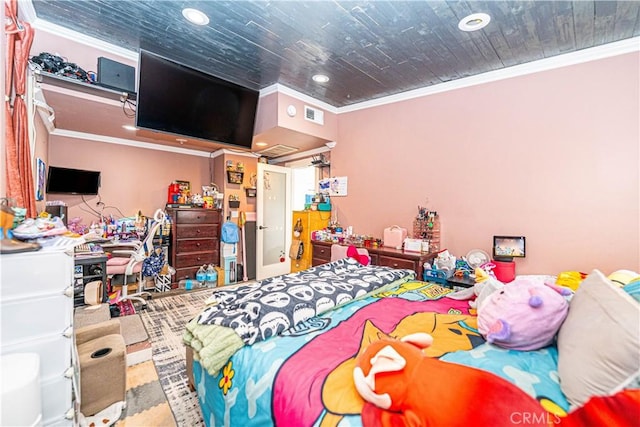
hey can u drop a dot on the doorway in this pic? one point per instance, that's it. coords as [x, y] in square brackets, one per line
[273, 208]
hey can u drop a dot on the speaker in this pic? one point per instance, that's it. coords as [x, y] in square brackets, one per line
[115, 75]
[59, 211]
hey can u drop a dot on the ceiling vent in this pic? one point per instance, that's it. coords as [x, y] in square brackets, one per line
[277, 151]
[314, 115]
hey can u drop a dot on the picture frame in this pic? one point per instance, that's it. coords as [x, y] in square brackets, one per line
[235, 177]
[41, 168]
[185, 186]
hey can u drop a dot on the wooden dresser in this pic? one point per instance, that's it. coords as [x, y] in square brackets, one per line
[195, 240]
[389, 257]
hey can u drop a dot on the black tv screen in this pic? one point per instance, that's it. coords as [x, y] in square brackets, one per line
[505, 248]
[176, 99]
[72, 181]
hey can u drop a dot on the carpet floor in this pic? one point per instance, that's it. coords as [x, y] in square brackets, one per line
[147, 404]
[165, 319]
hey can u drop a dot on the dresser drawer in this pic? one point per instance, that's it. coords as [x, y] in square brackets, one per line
[196, 245]
[28, 318]
[197, 217]
[190, 231]
[186, 273]
[196, 259]
[56, 401]
[54, 351]
[396, 262]
[322, 253]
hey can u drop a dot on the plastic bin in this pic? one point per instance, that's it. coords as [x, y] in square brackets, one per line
[505, 271]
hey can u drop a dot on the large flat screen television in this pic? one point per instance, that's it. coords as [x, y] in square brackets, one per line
[72, 181]
[179, 100]
[505, 248]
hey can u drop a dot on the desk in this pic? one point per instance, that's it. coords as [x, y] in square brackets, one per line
[88, 267]
[390, 257]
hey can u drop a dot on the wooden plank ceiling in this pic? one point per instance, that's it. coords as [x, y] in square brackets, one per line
[369, 49]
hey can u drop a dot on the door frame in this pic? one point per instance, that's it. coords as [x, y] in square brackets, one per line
[279, 268]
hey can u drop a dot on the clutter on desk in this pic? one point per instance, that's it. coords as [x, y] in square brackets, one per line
[394, 236]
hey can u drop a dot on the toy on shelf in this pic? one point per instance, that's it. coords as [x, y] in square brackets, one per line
[462, 268]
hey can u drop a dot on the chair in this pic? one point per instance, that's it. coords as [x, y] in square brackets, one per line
[130, 261]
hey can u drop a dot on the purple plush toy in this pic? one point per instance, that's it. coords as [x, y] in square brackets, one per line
[524, 315]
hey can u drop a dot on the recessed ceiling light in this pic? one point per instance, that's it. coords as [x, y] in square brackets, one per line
[195, 16]
[320, 78]
[129, 127]
[474, 22]
[261, 144]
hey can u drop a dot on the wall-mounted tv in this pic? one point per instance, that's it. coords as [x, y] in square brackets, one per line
[505, 248]
[72, 181]
[180, 100]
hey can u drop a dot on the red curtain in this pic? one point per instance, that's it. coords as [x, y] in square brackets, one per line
[19, 179]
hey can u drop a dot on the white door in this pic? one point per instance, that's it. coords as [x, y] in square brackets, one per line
[273, 231]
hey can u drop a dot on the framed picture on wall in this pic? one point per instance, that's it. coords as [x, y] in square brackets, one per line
[235, 177]
[41, 167]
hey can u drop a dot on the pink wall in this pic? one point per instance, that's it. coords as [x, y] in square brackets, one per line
[132, 178]
[553, 156]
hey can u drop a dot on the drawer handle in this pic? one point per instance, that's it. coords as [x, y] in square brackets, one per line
[69, 372]
[68, 333]
[198, 231]
[395, 265]
[198, 244]
[68, 292]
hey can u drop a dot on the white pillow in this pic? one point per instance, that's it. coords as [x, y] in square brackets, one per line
[599, 342]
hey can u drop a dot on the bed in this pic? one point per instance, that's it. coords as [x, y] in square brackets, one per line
[303, 375]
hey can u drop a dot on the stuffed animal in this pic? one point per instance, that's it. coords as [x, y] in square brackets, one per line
[403, 387]
[362, 258]
[486, 284]
[523, 315]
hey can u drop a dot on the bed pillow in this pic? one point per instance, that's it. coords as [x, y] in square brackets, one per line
[599, 340]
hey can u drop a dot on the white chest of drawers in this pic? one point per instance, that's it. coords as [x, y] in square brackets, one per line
[36, 315]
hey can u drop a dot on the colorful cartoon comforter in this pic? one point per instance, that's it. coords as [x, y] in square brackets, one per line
[249, 314]
[304, 376]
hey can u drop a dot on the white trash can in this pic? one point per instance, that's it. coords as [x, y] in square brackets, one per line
[21, 399]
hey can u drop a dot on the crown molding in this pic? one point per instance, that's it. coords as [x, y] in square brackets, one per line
[27, 11]
[131, 143]
[585, 55]
[224, 151]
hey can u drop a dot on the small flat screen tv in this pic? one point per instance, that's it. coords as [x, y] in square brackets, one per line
[72, 181]
[505, 248]
[179, 100]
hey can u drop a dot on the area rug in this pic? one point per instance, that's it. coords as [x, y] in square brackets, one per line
[165, 319]
[147, 404]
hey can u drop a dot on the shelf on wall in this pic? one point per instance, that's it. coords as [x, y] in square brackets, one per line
[235, 177]
[74, 84]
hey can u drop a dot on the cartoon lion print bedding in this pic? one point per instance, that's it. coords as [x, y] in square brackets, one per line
[304, 377]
